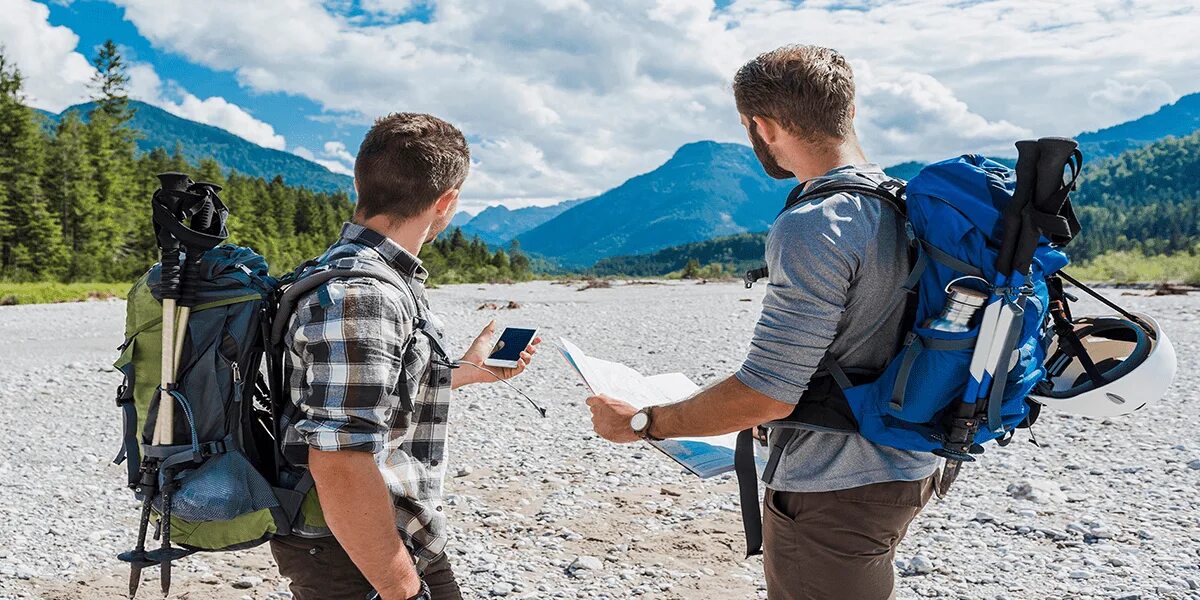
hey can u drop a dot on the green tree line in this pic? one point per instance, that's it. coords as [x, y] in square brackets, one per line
[75, 198]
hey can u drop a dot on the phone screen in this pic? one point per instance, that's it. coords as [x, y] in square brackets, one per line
[512, 342]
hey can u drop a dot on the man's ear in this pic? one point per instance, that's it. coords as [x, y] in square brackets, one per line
[445, 202]
[768, 129]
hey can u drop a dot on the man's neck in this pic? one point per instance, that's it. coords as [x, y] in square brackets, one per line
[410, 233]
[815, 164]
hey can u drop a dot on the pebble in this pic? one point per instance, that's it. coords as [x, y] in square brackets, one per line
[920, 565]
[246, 582]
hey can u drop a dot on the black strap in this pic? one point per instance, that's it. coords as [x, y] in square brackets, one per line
[890, 192]
[1102, 299]
[130, 451]
[943, 257]
[754, 275]
[747, 476]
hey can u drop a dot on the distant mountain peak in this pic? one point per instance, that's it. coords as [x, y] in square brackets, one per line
[705, 150]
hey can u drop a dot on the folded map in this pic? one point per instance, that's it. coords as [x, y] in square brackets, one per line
[704, 456]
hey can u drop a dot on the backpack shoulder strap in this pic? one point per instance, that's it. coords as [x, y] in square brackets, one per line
[310, 279]
[890, 192]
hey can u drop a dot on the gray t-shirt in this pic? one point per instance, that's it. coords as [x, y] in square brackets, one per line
[836, 266]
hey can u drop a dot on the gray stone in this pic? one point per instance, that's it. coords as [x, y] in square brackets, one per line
[247, 582]
[920, 565]
[1042, 491]
[586, 563]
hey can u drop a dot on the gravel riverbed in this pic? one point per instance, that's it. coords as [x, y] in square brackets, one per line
[542, 508]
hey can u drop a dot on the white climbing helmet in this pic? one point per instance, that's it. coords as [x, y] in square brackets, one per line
[1135, 361]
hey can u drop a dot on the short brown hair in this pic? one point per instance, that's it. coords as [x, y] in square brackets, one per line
[809, 90]
[406, 162]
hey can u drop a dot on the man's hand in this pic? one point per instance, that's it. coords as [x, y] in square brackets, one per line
[479, 351]
[610, 419]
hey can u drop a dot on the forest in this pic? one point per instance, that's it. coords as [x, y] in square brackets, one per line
[75, 198]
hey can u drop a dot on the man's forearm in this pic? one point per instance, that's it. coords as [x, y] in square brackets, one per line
[358, 508]
[723, 408]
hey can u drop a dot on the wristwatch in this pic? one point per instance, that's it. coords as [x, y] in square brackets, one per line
[641, 422]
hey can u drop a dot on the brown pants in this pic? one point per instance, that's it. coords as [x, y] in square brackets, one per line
[832, 545]
[320, 569]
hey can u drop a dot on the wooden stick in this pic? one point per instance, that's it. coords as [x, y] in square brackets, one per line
[163, 434]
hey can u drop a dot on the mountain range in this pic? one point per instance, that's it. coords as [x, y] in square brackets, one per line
[708, 190]
[498, 225]
[1178, 119]
[161, 129]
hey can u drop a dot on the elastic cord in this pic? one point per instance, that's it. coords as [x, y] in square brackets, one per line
[540, 410]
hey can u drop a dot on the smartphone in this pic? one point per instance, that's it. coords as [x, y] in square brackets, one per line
[508, 349]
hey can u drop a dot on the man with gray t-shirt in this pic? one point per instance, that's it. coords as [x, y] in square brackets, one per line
[837, 505]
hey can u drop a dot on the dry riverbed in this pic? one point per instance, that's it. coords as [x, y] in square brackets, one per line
[544, 509]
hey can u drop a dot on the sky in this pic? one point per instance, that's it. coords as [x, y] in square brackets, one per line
[564, 99]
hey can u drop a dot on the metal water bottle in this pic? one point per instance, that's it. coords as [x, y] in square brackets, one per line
[961, 305]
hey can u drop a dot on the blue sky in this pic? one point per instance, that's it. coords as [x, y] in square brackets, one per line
[291, 115]
[566, 98]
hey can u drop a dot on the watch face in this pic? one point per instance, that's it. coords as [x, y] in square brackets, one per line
[639, 421]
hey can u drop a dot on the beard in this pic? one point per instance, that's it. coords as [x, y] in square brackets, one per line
[763, 152]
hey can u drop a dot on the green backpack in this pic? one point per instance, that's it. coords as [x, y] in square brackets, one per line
[223, 484]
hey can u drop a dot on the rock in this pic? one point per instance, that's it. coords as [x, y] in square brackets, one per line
[1037, 490]
[209, 579]
[920, 565]
[247, 582]
[1195, 464]
[464, 471]
[501, 589]
[1081, 574]
[585, 563]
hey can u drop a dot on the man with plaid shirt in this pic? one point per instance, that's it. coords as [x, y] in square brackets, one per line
[370, 383]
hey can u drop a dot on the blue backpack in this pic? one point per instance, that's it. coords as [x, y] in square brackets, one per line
[954, 214]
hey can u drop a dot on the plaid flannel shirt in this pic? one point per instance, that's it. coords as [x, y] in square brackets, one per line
[362, 378]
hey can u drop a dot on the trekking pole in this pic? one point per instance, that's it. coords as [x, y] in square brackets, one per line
[205, 231]
[167, 209]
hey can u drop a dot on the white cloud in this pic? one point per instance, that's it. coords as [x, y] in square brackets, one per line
[1118, 98]
[219, 112]
[146, 85]
[388, 7]
[56, 76]
[565, 98]
[912, 116]
[334, 157]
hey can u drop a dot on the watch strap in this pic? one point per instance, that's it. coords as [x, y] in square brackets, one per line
[645, 433]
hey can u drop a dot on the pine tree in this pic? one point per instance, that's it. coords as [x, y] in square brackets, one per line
[110, 83]
[70, 185]
[31, 237]
[111, 145]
